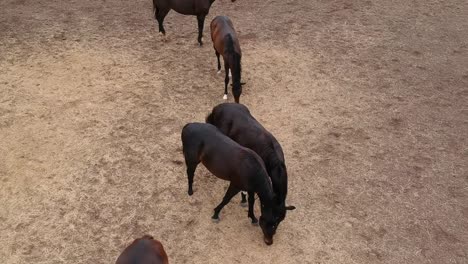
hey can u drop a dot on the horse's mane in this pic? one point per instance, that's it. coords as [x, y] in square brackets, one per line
[275, 163]
[273, 150]
[229, 50]
[209, 118]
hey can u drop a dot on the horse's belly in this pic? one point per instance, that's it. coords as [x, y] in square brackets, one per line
[217, 170]
[190, 7]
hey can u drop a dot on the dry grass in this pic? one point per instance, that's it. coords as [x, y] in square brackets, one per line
[368, 98]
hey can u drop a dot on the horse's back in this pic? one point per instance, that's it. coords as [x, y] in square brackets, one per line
[236, 121]
[195, 135]
[145, 250]
[221, 27]
[186, 7]
[222, 21]
[198, 131]
[231, 107]
[237, 118]
[221, 155]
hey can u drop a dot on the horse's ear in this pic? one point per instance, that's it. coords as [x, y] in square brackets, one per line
[290, 207]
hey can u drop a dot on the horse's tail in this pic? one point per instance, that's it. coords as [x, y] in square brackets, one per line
[210, 118]
[155, 10]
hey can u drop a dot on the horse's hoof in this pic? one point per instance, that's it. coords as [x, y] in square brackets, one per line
[243, 204]
[190, 193]
[218, 72]
[225, 97]
[255, 223]
[215, 220]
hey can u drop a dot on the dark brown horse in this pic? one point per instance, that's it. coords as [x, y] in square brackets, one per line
[229, 161]
[145, 250]
[199, 8]
[235, 121]
[226, 43]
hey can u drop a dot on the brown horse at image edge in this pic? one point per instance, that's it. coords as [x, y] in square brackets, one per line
[144, 250]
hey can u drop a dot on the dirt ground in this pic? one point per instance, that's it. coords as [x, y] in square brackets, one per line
[368, 99]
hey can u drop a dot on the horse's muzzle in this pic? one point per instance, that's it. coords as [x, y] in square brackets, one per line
[267, 240]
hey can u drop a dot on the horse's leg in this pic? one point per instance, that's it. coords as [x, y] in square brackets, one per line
[191, 161]
[226, 79]
[243, 199]
[231, 191]
[219, 62]
[160, 15]
[190, 174]
[201, 22]
[251, 207]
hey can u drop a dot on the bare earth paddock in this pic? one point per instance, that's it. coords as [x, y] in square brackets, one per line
[368, 99]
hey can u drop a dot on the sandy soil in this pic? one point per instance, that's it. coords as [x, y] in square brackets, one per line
[368, 99]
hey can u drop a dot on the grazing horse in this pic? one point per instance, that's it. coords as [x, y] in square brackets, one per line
[236, 122]
[225, 42]
[199, 8]
[230, 161]
[144, 250]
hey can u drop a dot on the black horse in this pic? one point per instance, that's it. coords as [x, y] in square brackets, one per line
[199, 8]
[235, 121]
[230, 161]
[226, 43]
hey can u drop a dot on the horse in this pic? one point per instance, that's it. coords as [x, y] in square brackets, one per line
[199, 8]
[225, 42]
[144, 250]
[236, 122]
[229, 161]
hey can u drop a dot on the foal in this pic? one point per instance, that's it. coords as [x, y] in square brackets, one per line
[145, 250]
[236, 122]
[225, 42]
[199, 8]
[229, 161]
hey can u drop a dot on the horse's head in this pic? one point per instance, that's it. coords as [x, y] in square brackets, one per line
[280, 181]
[268, 224]
[272, 215]
[237, 91]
